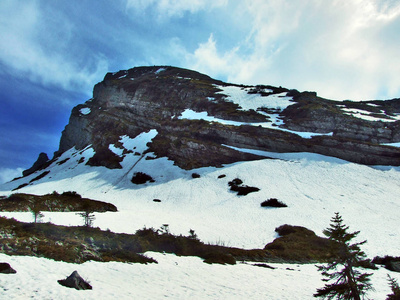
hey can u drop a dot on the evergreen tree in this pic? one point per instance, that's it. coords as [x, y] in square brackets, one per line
[395, 295]
[36, 209]
[347, 281]
[87, 214]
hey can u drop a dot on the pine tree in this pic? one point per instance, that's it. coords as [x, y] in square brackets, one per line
[395, 295]
[348, 281]
[87, 214]
[36, 209]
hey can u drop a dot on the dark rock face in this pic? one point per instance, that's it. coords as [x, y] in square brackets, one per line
[137, 100]
[39, 164]
[75, 281]
[5, 268]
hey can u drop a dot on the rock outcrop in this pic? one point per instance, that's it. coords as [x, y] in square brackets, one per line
[39, 164]
[5, 268]
[137, 100]
[75, 281]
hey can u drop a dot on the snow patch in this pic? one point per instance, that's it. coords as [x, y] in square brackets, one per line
[369, 116]
[392, 144]
[193, 115]
[85, 111]
[248, 101]
[159, 70]
[138, 143]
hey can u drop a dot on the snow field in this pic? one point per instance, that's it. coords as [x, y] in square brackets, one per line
[173, 277]
[314, 188]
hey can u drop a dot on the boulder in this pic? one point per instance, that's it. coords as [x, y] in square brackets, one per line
[75, 281]
[5, 268]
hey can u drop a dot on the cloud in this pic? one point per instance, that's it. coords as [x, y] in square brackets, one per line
[166, 9]
[7, 174]
[342, 49]
[39, 45]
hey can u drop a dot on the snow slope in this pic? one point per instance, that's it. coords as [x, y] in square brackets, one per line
[173, 277]
[313, 186]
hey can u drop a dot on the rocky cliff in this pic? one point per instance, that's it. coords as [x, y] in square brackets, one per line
[201, 121]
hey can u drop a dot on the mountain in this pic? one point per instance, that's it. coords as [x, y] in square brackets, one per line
[199, 120]
[169, 146]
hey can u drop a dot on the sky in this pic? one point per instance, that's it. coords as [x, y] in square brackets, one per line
[53, 52]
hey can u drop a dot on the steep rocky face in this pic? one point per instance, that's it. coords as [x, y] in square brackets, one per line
[137, 100]
[40, 163]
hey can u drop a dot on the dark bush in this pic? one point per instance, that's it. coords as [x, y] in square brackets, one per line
[219, 258]
[72, 194]
[195, 175]
[273, 202]
[141, 178]
[244, 190]
[236, 181]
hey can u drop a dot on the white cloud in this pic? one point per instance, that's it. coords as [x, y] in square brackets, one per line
[33, 45]
[342, 49]
[173, 8]
[7, 174]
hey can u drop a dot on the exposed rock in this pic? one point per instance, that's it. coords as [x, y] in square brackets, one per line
[39, 164]
[133, 101]
[391, 263]
[5, 268]
[75, 281]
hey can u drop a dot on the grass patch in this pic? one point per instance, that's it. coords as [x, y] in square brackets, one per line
[299, 244]
[79, 244]
[67, 201]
